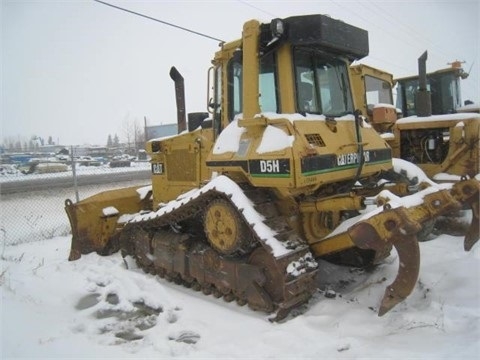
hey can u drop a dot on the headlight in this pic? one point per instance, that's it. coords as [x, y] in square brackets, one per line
[277, 27]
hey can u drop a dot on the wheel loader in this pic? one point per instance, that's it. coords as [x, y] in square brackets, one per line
[425, 127]
[280, 172]
[444, 86]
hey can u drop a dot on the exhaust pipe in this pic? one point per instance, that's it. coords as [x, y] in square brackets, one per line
[180, 99]
[422, 98]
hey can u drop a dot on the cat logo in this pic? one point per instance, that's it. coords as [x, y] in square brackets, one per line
[157, 168]
[351, 158]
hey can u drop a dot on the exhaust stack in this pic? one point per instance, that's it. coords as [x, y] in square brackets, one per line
[180, 99]
[422, 98]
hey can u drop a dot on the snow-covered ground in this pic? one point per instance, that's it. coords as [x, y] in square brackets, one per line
[96, 307]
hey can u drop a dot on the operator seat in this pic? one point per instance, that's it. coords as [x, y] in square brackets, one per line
[305, 96]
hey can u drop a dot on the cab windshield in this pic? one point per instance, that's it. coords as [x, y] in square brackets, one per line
[444, 91]
[322, 85]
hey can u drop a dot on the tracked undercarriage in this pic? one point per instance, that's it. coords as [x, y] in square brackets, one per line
[234, 243]
[269, 267]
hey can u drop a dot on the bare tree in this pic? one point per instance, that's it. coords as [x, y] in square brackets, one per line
[134, 134]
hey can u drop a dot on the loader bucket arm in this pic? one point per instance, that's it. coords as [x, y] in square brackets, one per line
[399, 226]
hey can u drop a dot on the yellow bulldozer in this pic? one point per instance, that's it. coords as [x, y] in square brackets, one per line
[280, 172]
[428, 126]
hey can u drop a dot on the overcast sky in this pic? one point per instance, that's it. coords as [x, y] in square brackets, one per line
[79, 70]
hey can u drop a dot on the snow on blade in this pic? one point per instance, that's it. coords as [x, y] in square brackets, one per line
[224, 185]
[109, 211]
[143, 191]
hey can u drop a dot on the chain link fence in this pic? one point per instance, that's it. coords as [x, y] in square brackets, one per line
[33, 194]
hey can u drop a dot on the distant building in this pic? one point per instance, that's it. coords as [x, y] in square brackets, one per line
[97, 151]
[158, 131]
[49, 149]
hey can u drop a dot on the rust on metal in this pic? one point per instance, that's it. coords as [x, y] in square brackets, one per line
[258, 278]
[394, 227]
[467, 192]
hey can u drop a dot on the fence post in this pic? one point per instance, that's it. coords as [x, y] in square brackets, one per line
[74, 173]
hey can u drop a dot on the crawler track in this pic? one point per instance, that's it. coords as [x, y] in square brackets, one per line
[172, 245]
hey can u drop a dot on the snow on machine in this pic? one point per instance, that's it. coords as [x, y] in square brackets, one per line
[281, 172]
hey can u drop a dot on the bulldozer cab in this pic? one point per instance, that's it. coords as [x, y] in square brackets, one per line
[291, 78]
[270, 71]
[373, 95]
[287, 82]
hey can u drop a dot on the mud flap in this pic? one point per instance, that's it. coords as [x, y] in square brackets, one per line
[399, 231]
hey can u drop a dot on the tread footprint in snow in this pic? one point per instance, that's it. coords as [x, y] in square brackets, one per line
[186, 336]
[127, 324]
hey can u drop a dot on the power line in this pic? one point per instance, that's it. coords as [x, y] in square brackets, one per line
[257, 8]
[411, 32]
[160, 21]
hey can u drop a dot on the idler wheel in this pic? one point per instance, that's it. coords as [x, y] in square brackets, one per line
[225, 229]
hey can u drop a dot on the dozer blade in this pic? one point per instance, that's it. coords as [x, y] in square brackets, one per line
[403, 238]
[467, 192]
[94, 220]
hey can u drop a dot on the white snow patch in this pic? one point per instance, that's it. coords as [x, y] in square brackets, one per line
[41, 291]
[446, 117]
[172, 136]
[411, 171]
[274, 139]
[446, 177]
[393, 201]
[229, 138]
[144, 191]
[387, 136]
[384, 105]
[299, 117]
[110, 211]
